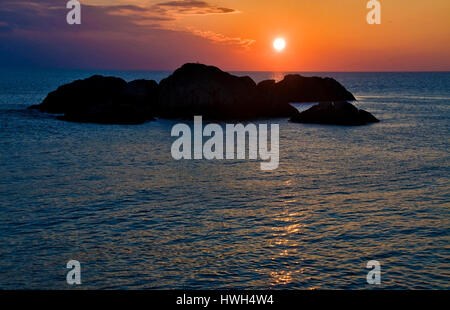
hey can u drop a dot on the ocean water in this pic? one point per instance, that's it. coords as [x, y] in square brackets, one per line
[113, 198]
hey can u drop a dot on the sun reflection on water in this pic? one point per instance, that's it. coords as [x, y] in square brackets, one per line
[281, 277]
[277, 76]
[286, 226]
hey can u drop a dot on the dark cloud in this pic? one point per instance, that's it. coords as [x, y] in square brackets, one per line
[193, 7]
[46, 16]
[35, 33]
[31, 16]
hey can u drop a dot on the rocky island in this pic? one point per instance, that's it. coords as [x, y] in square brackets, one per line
[197, 89]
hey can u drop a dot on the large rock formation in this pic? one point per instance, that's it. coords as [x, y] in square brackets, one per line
[193, 89]
[81, 93]
[101, 99]
[337, 113]
[297, 88]
[196, 89]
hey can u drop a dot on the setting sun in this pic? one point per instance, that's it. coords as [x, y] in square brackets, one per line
[279, 44]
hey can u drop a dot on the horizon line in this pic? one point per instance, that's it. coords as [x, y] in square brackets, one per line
[225, 70]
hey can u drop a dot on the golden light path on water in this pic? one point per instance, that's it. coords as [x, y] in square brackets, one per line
[282, 234]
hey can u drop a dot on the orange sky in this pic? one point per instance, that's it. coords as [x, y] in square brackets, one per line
[327, 35]
[321, 35]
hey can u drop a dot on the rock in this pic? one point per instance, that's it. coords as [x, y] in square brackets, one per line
[337, 113]
[101, 99]
[270, 104]
[297, 88]
[108, 113]
[196, 89]
[82, 93]
[140, 92]
[193, 89]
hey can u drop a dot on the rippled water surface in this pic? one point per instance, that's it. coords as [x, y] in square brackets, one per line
[113, 198]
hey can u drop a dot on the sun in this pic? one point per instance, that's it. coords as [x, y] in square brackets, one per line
[279, 44]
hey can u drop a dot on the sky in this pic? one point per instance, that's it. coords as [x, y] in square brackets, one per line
[238, 35]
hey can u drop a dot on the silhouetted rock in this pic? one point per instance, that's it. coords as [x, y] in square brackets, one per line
[82, 93]
[101, 99]
[297, 88]
[193, 89]
[269, 103]
[337, 113]
[140, 92]
[196, 89]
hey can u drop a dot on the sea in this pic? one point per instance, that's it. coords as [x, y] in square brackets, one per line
[113, 198]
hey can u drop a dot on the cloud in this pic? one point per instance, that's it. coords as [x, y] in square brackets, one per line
[35, 32]
[132, 19]
[162, 14]
[220, 38]
[192, 7]
[47, 17]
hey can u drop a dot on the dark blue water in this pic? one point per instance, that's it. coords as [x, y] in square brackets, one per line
[113, 198]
